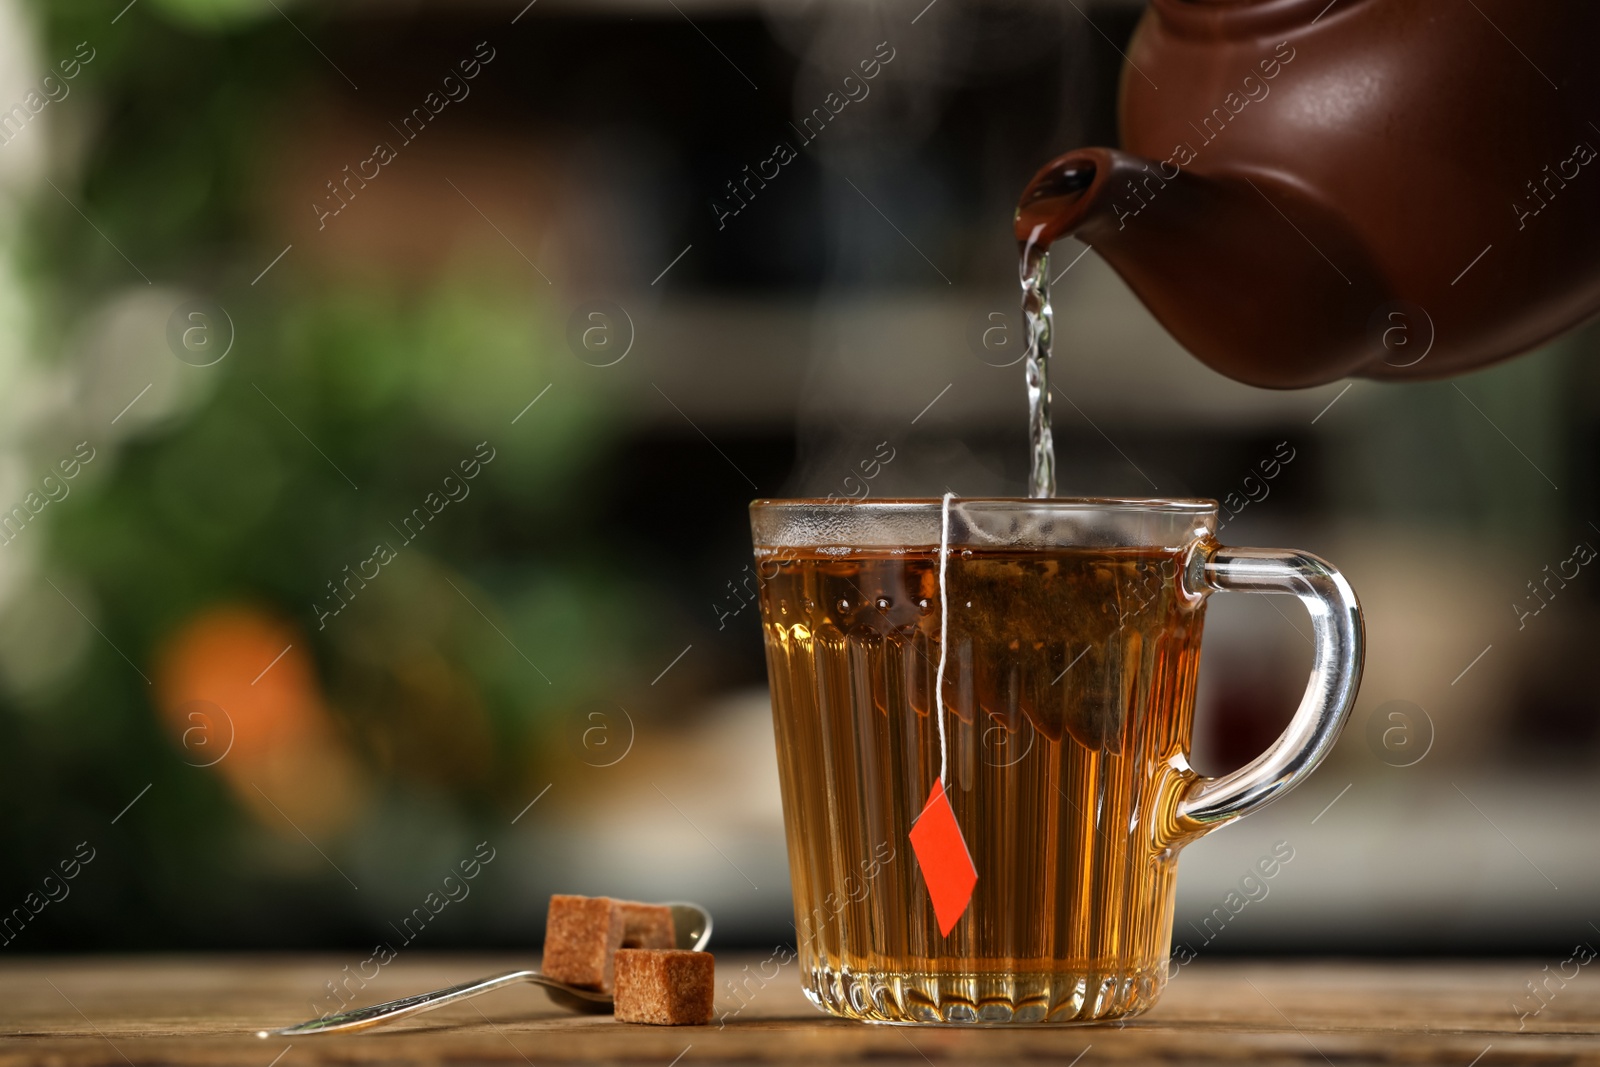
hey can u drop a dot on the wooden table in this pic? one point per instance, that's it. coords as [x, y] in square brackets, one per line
[156, 1010]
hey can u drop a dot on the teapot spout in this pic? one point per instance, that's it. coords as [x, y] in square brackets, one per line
[1247, 270]
[1066, 194]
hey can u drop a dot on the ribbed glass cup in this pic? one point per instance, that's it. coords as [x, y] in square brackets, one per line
[1071, 657]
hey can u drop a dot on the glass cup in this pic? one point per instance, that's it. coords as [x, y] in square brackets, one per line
[1059, 725]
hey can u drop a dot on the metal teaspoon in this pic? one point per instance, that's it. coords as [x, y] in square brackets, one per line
[690, 922]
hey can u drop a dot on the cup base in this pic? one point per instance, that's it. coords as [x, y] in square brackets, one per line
[1057, 997]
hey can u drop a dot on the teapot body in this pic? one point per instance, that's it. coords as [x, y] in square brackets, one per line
[1437, 166]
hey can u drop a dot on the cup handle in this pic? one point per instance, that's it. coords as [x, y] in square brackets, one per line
[1204, 804]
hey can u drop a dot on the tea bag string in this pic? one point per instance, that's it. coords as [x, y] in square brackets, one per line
[944, 631]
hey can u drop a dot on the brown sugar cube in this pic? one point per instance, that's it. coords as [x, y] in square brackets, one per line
[666, 987]
[581, 938]
[647, 925]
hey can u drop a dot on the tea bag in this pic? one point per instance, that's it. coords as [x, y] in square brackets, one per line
[1095, 688]
[1097, 708]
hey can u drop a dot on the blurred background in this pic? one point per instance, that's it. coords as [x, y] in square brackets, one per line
[382, 386]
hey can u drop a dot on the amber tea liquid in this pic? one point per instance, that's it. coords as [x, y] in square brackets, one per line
[1069, 693]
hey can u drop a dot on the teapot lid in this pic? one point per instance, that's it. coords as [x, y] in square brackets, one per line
[1233, 19]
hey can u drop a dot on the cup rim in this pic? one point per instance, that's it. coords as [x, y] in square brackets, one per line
[1168, 505]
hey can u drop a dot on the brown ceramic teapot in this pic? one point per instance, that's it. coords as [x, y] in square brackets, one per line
[1311, 189]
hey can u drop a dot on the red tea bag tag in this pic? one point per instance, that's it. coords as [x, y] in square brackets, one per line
[942, 854]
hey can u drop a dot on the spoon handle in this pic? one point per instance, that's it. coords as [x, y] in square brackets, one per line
[361, 1018]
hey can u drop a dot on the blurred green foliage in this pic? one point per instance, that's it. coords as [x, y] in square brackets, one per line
[239, 495]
